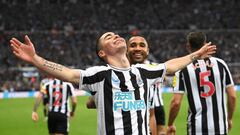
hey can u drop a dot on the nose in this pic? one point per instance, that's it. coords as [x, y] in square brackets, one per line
[116, 36]
[137, 47]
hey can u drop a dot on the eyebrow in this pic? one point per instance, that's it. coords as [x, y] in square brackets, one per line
[107, 35]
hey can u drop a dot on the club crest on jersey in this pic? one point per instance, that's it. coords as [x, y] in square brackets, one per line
[125, 101]
[139, 81]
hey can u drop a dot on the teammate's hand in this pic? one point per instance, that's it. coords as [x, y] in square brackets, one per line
[71, 114]
[206, 51]
[35, 116]
[24, 51]
[171, 130]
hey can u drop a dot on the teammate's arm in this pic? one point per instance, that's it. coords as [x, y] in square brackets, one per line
[179, 63]
[231, 104]
[153, 124]
[36, 105]
[174, 109]
[25, 51]
[74, 105]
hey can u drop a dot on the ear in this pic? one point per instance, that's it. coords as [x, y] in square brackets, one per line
[101, 54]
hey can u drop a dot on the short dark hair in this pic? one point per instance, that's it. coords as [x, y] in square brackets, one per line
[196, 40]
[98, 48]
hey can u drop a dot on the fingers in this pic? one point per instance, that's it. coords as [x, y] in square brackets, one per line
[15, 42]
[14, 47]
[27, 40]
[212, 47]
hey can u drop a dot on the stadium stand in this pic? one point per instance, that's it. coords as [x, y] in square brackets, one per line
[65, 31]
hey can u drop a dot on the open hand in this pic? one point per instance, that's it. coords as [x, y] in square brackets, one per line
[206, 51]
[24, 51]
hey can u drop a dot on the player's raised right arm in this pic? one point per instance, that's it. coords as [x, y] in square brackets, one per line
[26, 52]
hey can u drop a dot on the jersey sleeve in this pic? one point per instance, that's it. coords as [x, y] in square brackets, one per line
[178, 83]
[229, 80]
[90, 78]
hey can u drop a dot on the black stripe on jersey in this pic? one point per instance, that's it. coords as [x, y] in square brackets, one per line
[69, 93]
[137, 97]
[60, 87]
[151, 74]
[108, 104]
[203, 102]
[146, 90]
[152, 96]
[156, 88]
[214, 98]
[47, 91]
[181, 82]
[126, 115]
[221, 72]
[190, 101]
[53, 98]
[94, 78]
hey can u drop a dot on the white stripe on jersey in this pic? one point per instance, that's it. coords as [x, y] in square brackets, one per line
[197, 101]
[218, 93]
[64, 93]
[50, 92]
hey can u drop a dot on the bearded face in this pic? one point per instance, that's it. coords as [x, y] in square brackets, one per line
[137, 50]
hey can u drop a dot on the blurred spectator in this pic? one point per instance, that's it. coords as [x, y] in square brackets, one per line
[65, 31]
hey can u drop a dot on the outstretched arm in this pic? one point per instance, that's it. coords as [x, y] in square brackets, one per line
[26, 52]
[179, 63]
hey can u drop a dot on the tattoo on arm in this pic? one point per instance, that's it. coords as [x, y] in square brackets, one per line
[52, 66]
[36, 104]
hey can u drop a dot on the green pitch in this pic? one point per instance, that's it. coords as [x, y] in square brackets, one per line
[15, 118]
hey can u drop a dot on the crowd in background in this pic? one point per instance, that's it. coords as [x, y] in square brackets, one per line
[65, 31]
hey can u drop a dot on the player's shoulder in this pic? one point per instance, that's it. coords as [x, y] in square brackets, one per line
[98, 68]
[219, 61]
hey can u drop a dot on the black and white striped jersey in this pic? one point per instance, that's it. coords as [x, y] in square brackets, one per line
[42, 89]
[122, 96]
[58, 93]
[155, 93]
[205, 82]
